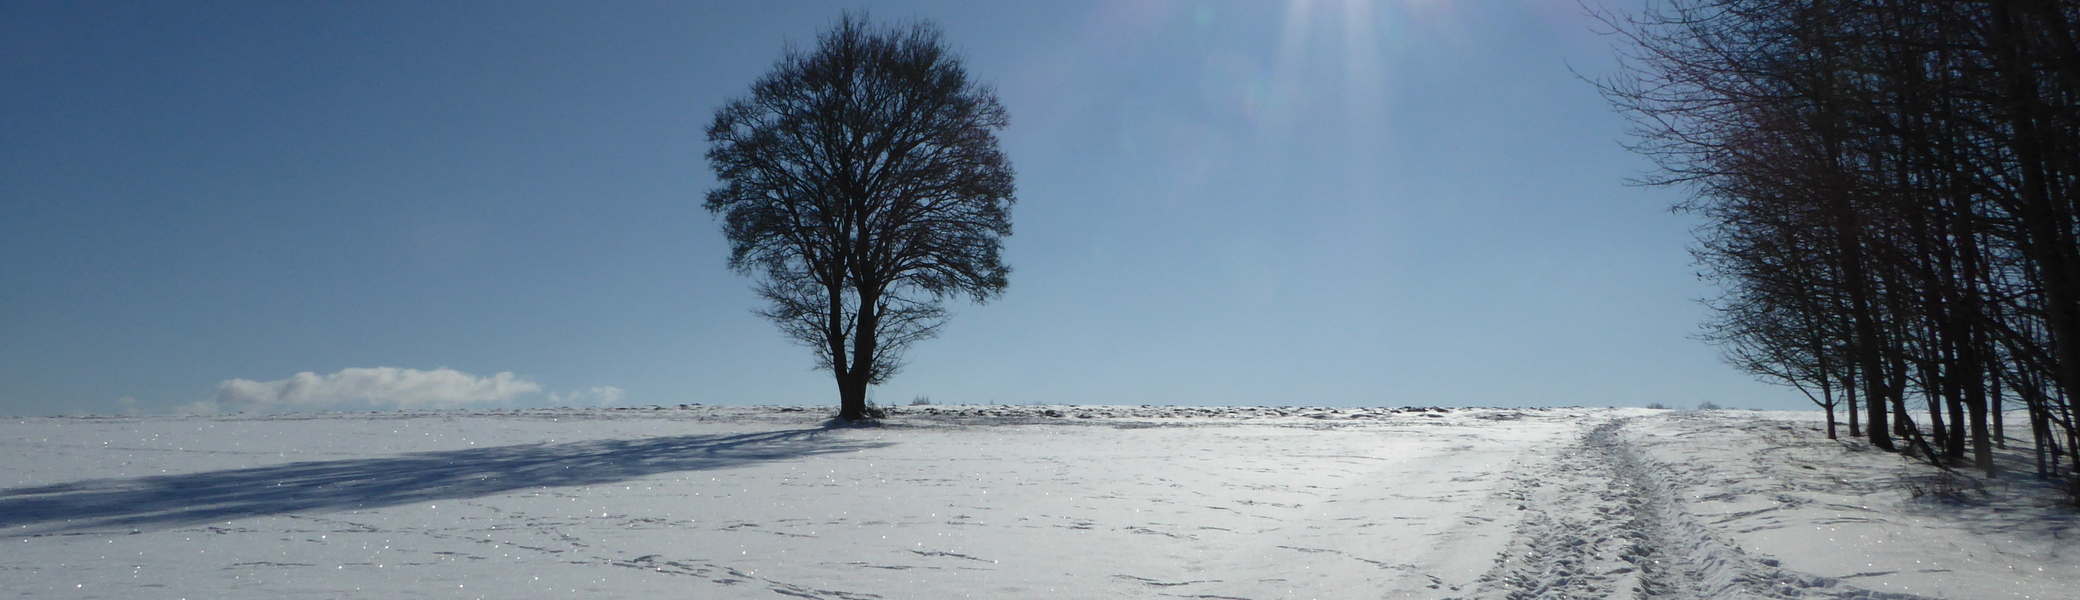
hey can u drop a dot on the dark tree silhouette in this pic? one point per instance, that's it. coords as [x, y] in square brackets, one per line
[863, 186]
[1890, 192]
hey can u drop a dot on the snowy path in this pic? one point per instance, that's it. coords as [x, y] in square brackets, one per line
[954, 502]
[1604, 522]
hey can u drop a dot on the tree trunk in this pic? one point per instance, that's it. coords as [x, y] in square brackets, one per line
[852, 396]
[2040, 436]
[1982, 448]
[1875, 391]
[1931, 392]
[1874, 384]
[1974, 381]
[1830, 421]
[1849, 389]
[2000, 429]
[1903, 423]
[1958, 436]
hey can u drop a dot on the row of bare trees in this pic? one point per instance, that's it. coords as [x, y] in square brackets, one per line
[1888, 196]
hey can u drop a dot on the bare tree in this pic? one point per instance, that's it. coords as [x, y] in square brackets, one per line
[1890, 190]
[863, 186]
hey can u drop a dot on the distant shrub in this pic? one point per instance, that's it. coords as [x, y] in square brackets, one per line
[920, 401]
[1657, 406]
[1707, 405]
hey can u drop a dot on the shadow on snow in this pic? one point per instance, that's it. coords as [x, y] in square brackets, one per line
[377, 482]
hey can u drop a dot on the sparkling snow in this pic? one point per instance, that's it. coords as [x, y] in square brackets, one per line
[1002, 502]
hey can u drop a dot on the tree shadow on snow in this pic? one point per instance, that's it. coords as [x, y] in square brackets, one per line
[168, 500]
[2017, 504]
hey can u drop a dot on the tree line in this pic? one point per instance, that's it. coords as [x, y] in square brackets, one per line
[1887, 196]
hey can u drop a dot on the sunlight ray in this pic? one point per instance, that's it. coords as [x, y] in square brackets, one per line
[1364, 91]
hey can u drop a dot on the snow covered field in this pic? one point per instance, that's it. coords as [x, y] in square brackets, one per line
[1002, 502]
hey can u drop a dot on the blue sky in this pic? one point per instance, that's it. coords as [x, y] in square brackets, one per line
[1403, 202]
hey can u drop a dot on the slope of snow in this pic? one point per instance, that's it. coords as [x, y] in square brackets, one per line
[994, 502]
[1842, 512]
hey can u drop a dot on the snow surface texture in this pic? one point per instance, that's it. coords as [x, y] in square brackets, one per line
[1002, 502]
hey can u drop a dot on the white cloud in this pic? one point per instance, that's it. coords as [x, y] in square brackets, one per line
[375, 388]
[127, 406]
[605, 395]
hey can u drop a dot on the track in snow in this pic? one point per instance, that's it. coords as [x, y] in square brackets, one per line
[1605, 522]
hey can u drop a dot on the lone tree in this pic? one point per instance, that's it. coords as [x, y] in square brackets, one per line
[862, 185]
